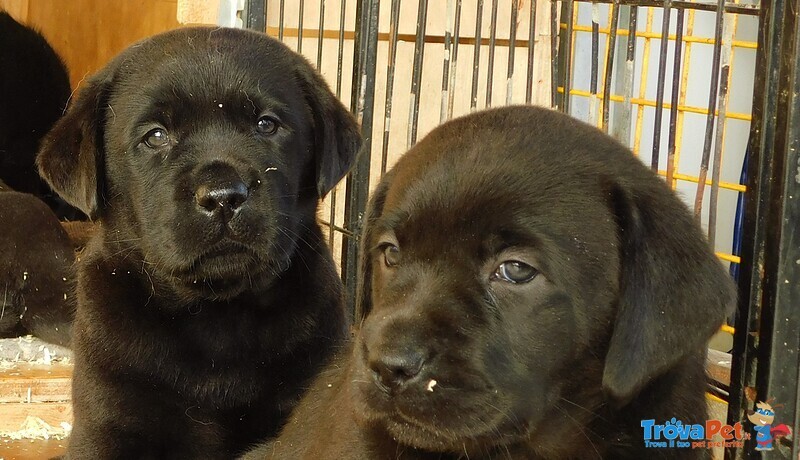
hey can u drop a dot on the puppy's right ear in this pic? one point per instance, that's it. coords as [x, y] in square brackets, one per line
[374, 211]
[70, 156]
[337, 136]
[674, 292]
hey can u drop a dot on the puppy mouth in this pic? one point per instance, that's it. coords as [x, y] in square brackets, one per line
[447, 431]
[224, 250]
[221, 264]
[438, 415]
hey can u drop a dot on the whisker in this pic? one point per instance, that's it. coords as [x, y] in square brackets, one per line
[581, 429]
[588, 411]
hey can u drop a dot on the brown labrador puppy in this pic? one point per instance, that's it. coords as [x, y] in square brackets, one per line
[534, 292]
[208, 298]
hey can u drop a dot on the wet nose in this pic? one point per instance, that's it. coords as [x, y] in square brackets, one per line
[224, 198]
[396, 369]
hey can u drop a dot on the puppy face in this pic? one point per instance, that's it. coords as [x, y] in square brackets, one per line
[509, 270]
[207, 148]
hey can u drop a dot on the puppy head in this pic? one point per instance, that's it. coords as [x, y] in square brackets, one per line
[209, 149]
[515, 259]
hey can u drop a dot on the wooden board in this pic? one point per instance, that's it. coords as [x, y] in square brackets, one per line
[18, 9]
[88, 33]
[718, 366]
[35, 383]
[13, 415]
[27, 449]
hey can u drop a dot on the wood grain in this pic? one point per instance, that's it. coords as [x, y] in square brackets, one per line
[18, 9]
[35, 383]
[31, 449]
[13, 415]
[88, 33]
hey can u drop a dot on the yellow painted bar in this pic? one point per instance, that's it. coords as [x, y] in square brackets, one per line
[650, 103]
[649, 34]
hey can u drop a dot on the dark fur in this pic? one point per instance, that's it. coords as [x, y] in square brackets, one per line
[36, 269]
[34, 88]
[194, 334]
[613, 330]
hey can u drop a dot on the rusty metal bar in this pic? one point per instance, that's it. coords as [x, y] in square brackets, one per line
[676, 85]
[725, 63]
[454, 61]
[476, 56]
[712, 104]
[281, 19]
[320, 33]
[612, 45]
[595, 64]
[512, 41]
[662, 72]
[492, 44]
[448, 50]
[300, 17]
[555, 57]
[394, 21]
[416, 76]
[531, 50]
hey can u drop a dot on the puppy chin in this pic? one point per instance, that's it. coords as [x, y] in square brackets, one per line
[219, 289]
[447, 419]
[222, 273]
[439, 437]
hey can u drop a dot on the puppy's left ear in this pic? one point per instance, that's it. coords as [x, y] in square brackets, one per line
[337, 137]
[71, 154]
[674, 293]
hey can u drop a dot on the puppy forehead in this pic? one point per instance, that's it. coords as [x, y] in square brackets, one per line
[197, 67]
[492, 186]
[483, 195]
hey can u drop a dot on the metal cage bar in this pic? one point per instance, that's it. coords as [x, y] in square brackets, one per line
[676, 87]
[416, 78]
[362, 103]
[666, 13]
[767, 335]
[610, 49]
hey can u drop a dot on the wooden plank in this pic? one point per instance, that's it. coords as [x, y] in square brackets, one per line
[13, 415]
[47, 387]
[88, 33]
[18, 9]
[718, 366]
[31, 449]
[35, 383]
[198, 11]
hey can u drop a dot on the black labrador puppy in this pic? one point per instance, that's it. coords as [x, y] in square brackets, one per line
[37, 277]
[34, 88]
[208, 298]
[534, 292]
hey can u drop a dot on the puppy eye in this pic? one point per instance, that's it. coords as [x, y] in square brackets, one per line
[514, 271]
[391, 255]
[267, 125]
[156, 138]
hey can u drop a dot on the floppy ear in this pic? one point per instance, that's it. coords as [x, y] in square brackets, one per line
[70, 156]
[337, 137]
[674, 292]
[374, 211]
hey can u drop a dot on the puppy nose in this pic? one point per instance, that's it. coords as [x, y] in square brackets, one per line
[395, 370]
[226, 197]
